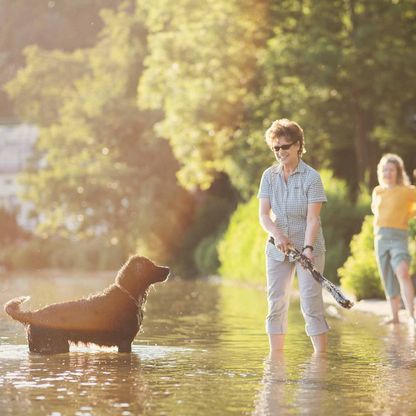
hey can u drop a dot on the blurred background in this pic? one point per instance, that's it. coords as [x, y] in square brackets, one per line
[137, 126]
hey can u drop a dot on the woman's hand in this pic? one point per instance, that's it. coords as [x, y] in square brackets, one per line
[282, 243]
[308, 253]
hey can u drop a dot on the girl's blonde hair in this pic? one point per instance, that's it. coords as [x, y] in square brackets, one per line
[402, 178]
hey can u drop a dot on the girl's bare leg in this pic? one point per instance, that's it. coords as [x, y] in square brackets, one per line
[406, 287]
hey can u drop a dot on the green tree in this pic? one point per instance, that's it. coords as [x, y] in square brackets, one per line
[200, 67]
[221, 71]
[45, 23]
[345, 69]
[99, 168]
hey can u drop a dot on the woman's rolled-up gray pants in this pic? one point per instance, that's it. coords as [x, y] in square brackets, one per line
[279, 279]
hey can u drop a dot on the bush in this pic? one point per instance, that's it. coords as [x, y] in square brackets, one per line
[241, 251]
[206, 255]
[341, 219]
[412, 247]
[359, 273]
[198, 253]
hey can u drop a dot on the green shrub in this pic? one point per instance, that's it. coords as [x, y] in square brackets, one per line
[207, 226]
[341, 219]
[412, 247]
[241, 251]
[412, 229]
[206, 255]
[359, 274]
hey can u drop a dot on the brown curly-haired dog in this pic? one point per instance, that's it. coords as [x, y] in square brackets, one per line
[109, 318]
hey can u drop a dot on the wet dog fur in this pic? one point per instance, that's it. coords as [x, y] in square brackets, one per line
[109, 318]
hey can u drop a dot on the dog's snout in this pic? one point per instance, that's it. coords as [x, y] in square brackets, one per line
[164, 271]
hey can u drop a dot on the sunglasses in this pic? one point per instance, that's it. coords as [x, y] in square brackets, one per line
[283, 147]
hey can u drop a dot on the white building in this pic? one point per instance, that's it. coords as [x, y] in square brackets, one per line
[16, 146]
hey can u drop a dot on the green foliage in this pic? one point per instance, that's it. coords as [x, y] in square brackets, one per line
[241, 251]
[221, 71]
[209, 77]
[56, 73]
[198, 251]
[49, 25]
[359, 273]
[199, 70]
[341, 219]
[206, 255]
[412, 229]
[322, 67]
[99, 168]
[412, 246]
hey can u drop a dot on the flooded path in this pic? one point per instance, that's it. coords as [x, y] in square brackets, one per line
[203, 351]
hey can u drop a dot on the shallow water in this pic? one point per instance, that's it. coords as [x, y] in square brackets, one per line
[203, 351]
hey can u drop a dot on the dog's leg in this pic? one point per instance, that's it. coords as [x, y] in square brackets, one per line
[124, 346]
[46, 341]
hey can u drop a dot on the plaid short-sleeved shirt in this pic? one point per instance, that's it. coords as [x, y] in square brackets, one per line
[289, 203]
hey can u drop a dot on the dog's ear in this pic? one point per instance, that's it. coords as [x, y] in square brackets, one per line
[126, 269]
[129, 269]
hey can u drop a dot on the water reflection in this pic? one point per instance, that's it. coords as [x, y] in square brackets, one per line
[202, 352]
[395, 394]
[273, 397]
[313, 393]
[285, 389]
[99, 381]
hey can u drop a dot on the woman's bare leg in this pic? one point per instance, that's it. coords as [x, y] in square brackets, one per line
[277, 342]
[320, 342]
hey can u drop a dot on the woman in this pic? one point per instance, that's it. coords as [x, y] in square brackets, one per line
[291, 196]
[393, 203]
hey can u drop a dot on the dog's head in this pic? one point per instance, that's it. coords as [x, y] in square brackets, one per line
[141, 270]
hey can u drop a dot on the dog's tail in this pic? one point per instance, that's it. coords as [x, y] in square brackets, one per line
[12, 308]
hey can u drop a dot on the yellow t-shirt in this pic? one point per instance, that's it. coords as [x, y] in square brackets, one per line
[393, 207]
